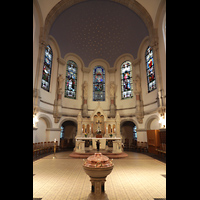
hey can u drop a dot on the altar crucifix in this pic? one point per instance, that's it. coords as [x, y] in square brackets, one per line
[98, 124]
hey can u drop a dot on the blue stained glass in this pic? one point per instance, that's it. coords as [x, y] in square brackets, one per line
[99, 84]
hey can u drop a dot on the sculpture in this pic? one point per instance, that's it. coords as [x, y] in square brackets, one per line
[137, 84]
[85, 89]
[112, 89]
[60, 82]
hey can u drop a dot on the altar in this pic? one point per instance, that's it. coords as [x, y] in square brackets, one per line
[112, 144]
[98, 126]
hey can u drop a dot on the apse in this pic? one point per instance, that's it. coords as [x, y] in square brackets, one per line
[98, 29]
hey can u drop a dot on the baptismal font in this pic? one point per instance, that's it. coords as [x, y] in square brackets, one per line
[98, 167]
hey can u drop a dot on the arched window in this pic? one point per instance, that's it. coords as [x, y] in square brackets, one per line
[71, 80]
[151, 78]
[126, 80]
[46, 74]
[99, 84]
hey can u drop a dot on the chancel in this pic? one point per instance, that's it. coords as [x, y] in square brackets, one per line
[99, 73]
[98, 129]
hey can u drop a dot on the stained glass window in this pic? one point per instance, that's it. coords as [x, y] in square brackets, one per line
[126, 80]
[46, 74]
[151, 78]
[71, 80]
[99, 84]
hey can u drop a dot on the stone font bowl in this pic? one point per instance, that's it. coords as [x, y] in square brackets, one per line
[98, 165]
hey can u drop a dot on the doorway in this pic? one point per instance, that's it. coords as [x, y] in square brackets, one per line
[67, 135]
[129, 135]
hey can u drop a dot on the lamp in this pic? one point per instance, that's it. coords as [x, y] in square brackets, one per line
[162, 120]
[35, 120]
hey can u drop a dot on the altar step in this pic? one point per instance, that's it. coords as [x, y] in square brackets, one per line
[106, 153]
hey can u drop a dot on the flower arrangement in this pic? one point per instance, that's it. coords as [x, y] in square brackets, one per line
[85, 134]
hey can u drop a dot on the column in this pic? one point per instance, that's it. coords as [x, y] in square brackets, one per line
[85, 96]
[118, 125]
[79, 128]
[139, 107]
[112, 99]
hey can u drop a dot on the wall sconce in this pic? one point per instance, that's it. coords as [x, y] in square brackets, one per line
[35, 120]
[162, 120]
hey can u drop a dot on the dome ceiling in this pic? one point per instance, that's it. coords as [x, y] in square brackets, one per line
[98, 29]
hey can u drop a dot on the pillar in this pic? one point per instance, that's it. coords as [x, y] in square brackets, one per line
[112, 99]
[85, 96]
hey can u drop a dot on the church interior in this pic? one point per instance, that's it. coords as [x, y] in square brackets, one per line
[99, 75]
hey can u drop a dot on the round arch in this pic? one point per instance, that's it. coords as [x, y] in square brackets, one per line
[101, 62]
[64, 4]
[75, 58]
[122, 58]
[128, 119]
[46, 119]
[149, 120]
[68, 119]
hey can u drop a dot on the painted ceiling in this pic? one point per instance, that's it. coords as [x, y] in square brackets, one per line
[98, 29]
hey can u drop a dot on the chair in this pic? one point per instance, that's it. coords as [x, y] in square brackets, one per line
[126, 144]
[46, 147]
[144, 146]
[52, 145]
[139, 145]
[42, 147]
[133, 144]
[35, 149]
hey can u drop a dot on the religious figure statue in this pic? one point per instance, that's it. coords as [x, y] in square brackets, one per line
[60, 82]
[85, 89]
[112, 89]
[137, 84]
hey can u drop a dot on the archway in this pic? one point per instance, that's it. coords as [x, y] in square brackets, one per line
[152, 123]
[68, 133]
[129, 134]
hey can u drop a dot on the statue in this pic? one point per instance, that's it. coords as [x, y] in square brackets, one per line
[57, 101]
[137, 84]
[85, 89]
[60, 82]
[112, 89]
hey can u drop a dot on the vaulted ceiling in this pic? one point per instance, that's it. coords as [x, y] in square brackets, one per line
[98, 29]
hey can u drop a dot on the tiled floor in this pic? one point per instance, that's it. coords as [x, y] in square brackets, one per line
[137, 176]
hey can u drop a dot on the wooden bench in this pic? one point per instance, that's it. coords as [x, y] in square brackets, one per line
[162, 149]
[162, 152]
